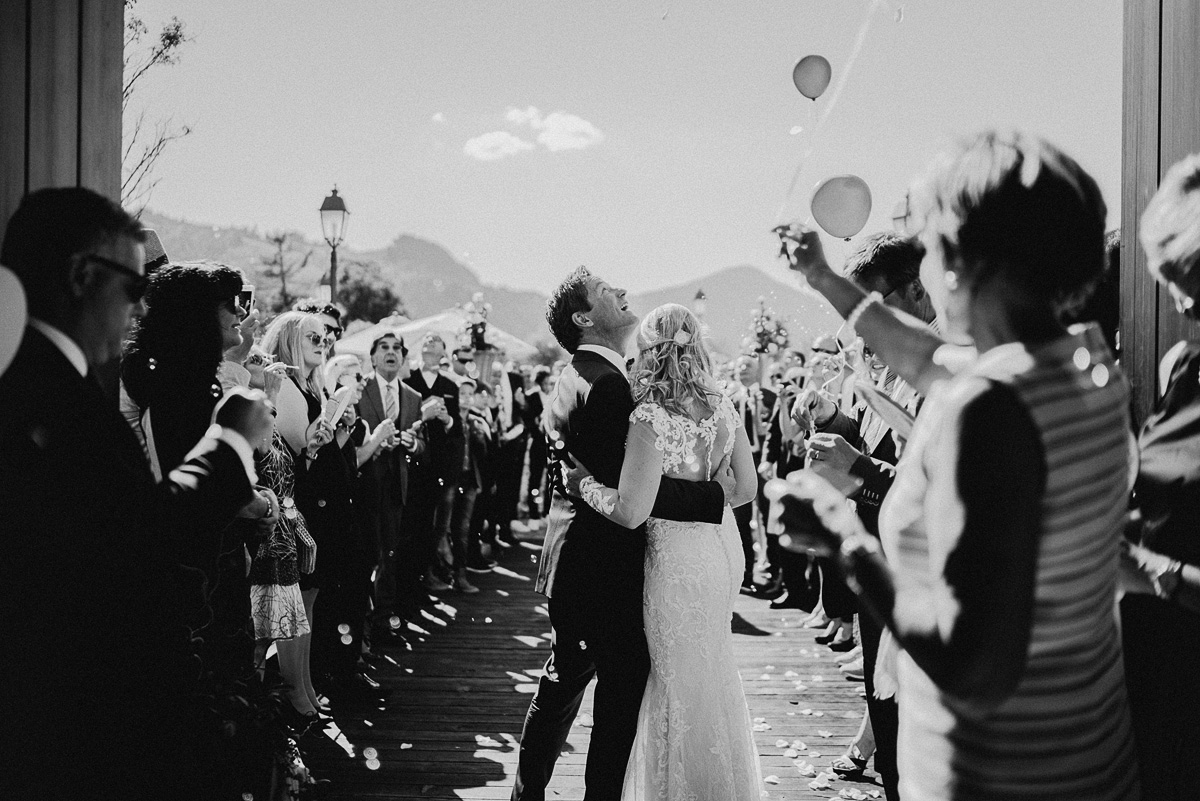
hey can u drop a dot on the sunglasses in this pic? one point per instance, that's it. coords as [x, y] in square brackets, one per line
[317, 340]
[135, 287]
[334, 331]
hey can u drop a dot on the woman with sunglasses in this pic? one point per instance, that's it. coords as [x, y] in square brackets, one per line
[326, 465]
[169, 372]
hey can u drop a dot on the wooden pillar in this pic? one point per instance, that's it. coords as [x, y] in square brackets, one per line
[60, 97]
[1161, 125]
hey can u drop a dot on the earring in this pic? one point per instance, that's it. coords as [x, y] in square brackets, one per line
[951, 279]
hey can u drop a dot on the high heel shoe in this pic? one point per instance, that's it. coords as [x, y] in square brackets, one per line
[298, 722]
[843, 645]
[830, 633]
[848, 767]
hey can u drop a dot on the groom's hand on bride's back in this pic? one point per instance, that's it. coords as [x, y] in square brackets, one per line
[724, 476]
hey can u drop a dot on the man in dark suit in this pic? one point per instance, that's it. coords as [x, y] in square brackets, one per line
[387, 400]
[98, 670]
[510, 456]
[591, 569]
[755, 404]
[435, 478]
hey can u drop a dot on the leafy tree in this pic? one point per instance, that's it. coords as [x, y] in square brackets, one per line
[278, 267]
[366, 295]
[145, 139]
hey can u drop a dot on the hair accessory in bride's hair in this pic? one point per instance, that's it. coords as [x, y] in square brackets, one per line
[682, 338]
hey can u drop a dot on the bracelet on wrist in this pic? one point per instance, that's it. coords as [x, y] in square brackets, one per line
[857, 312]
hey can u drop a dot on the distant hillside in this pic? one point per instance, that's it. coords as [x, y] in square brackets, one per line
[423, 273]
[733, 293]
[430, 279]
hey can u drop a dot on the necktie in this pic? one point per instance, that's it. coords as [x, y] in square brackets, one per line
[391, 408]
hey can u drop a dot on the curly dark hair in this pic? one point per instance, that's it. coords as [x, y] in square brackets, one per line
[178, 342]
[568, 297]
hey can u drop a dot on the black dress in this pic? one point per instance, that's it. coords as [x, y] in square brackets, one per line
[1161, 638]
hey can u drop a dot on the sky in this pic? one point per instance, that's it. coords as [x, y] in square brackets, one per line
[652, 140]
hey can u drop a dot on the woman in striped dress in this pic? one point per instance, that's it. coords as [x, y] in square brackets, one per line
[1002, 528]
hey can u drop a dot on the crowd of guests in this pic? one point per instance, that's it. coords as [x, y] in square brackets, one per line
[256, 491]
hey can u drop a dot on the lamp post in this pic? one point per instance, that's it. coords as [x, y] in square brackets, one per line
[900, 215]
[334, 217]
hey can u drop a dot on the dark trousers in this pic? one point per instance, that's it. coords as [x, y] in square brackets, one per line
[537, 471]
[460, 525]
[885, 714]
[602, 638]
[338, 616]
[510, 462]
[801, 578]
[1161, 643]
[426, 522]
[837, 598]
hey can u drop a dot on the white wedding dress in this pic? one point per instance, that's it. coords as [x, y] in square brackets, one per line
[694, 739]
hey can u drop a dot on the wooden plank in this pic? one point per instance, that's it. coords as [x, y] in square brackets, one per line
[1179, 128]
[13, 24]
[101, 45]
[1139, 179]
[453, 724]
[53, 93]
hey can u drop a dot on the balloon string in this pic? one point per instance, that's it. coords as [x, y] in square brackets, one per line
[843, 75]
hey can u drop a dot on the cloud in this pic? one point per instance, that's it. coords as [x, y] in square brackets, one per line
[557, 130]
[439, 117]
[530, 116]
[495, 145]
[562, 131]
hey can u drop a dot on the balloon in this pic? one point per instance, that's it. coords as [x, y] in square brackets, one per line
[811, 76]
[12, 316]
[841, 205]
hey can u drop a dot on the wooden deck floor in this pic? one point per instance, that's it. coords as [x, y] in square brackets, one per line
[459, 698]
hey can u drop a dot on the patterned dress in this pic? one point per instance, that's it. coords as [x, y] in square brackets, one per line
[276, 606]
[1064, 732]
[694, 738]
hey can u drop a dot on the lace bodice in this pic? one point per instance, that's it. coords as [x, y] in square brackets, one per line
[690, 449]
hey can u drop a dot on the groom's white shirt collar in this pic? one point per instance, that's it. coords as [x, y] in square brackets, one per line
[617, 360]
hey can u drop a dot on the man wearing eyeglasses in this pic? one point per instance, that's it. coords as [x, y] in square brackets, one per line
[101, 695]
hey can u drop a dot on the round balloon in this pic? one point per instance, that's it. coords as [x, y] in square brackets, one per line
[12, 316]
[841, 205]
[811, 76]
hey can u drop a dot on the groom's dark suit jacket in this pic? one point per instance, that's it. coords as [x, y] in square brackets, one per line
[589, 416]
[93, 609]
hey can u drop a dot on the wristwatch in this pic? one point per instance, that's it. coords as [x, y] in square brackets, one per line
[1166, 578]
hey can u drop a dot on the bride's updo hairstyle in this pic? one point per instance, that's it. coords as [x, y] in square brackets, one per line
[673, 367]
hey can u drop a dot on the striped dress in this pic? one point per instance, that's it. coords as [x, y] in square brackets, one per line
[1064, 733]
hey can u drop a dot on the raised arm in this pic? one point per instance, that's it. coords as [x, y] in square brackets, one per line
[904, 343]
[630, 503]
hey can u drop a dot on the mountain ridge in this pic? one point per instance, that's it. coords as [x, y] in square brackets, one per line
[429, 279]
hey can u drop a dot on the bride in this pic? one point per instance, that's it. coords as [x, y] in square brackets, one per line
[694, 739]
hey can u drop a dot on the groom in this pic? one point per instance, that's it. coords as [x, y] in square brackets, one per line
[591, 569]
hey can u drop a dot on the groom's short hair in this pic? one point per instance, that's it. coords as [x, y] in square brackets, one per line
[567, 298]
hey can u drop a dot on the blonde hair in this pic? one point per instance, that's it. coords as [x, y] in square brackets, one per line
[284, 341]
[338, 366]
[673, 367]
[1170, 229]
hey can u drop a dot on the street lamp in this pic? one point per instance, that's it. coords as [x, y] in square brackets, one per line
[333, 227]
[900, 214]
